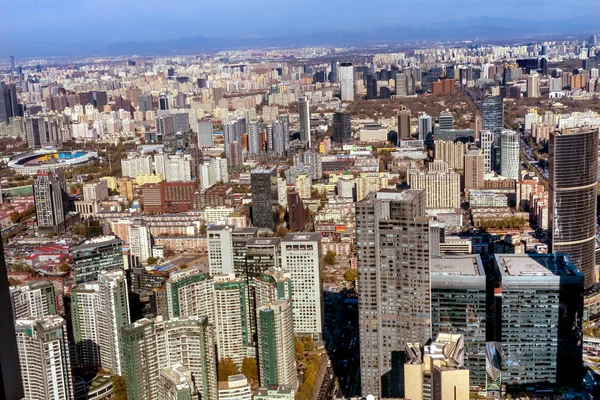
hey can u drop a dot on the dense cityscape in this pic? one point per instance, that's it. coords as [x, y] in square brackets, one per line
[310, 223]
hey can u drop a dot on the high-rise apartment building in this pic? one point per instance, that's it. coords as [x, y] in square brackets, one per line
[264, 197]
[44, 358]
[573, 195]
[474, 169]
[493, 120]
[371, 87]
[487, 139]
[393, 275]
[35, 299]
[458, 306]
[255, 147]
[451, 152]
[11, 386]
[220, 250]
[342, 127]
[441, 185]
[304, 116]
[277, 359]
[50, 193]
[300, 256]
[347, 81]
[510, 161]
[145, 102]
[96, 255]
[99, 310]
[232, 325]
[149, 346]
[176, 383]
[140, 241]
[190, 292]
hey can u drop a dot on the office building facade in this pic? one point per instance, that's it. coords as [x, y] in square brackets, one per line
[573, 180]
[304, 116]
[510, 164]
[264, 197]
[342, 127]
[347, 81]
[96, 255]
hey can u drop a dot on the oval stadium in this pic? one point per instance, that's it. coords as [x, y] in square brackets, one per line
[31, 162]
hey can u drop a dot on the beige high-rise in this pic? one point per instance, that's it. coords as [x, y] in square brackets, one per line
[474, 169]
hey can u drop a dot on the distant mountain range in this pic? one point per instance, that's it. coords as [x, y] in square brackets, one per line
[496, 30]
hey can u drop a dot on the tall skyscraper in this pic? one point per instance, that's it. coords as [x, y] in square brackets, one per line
[190, 292]
[99, 310]
[334, 72]
[44, 358]
[487, 139]
[304, 116]
[474, 168]
[533, 85]
[347, 81]
[371, 87]
[510, 162]
[50, 192]
[493, 120]
[264, 197]
[425, 127]
[393, 275]
[342, 127]
[9, 107]
[96, 255]
[145, 102]
[34, 299]
[404, 124]
[149, 346]
[573, 195]
[220, 250]
[11, 386]
[300, 256]
[205, 134]
[277, 359]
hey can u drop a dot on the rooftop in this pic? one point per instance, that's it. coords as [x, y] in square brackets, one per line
[263, 242]
[462, 265]
[535, 265]
[301, 237]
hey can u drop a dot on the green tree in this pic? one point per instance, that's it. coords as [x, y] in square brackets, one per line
[203, 229]
[226, 368]
[330, 257]
[351, 274]
[281, 231]
[119, 388]
[299, 347]
[152, 260]
[65, 267]
[79, 230]
[250, 369]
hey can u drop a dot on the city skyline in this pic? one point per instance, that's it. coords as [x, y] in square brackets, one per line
[181, 38]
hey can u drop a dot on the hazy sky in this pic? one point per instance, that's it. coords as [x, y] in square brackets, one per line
[123, 20]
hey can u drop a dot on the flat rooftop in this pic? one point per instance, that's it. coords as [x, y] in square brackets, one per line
[398, 194]
[535, 265]
[302, 237]
[462, 265]
[263, 241]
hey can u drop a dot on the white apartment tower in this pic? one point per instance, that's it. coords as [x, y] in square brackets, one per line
[44, 358]
[300, 256]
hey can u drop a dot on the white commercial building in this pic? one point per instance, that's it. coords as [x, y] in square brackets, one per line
[220, 250]
[300, 256]
[509, 162]
[347, 81]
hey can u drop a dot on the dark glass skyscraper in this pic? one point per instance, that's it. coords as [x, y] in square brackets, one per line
[493, 120]
[264, 197]
[371, 87]
[342, 127]
[573, 197]
[8, 102]
[11, 387]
